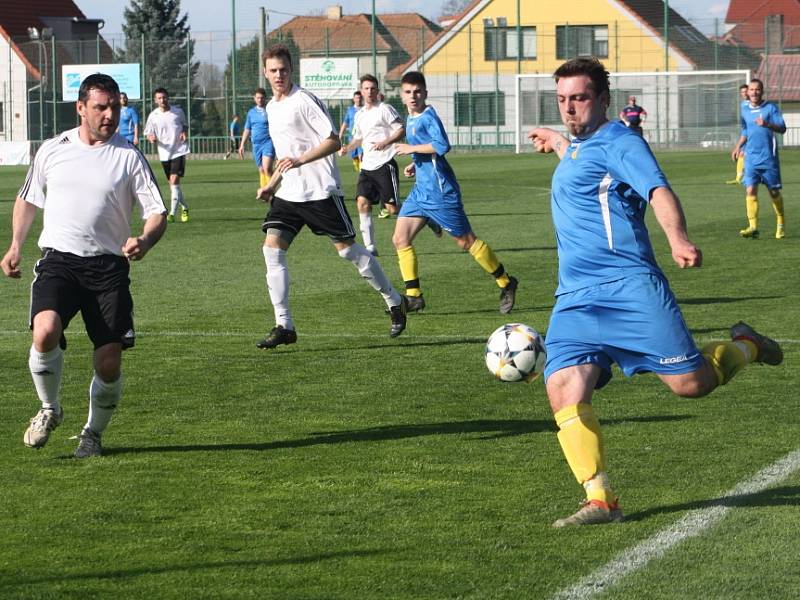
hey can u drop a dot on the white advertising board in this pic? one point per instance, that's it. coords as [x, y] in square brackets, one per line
[125, 74]
[330, 78]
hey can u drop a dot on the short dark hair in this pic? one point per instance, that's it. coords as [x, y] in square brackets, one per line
[368, 77]
[277, 51]
[97, 81]
[260, 90]
[357, 93]
[414, 78]
[160, 90]
[744, 86]
[592, 68]
[758, 81]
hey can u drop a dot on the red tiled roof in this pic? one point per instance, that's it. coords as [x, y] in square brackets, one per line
[781, 75]
[412, 31]
[747, 16]
[17, 16]
[351, 33]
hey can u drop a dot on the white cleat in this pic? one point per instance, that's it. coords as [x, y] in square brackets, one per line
[38, 432]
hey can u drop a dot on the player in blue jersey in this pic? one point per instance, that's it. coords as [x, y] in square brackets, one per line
[744, 101]
[128, 121]
[346, 129]
[613, 303]
[436, 196]
[256, 127]
[761, 120]
[234, 133]
[633, 115]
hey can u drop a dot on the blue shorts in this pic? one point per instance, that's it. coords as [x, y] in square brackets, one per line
[768, 174]
[262, 150]
[634, 322]
[357, 153]
[448, 213]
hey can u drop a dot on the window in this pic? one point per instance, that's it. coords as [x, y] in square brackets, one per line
[581, 40]
[502, 43]
[488, 108]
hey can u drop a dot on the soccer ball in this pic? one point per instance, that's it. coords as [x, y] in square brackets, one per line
[515, 352]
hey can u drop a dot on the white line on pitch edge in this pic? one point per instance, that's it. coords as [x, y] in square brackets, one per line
[691, 525]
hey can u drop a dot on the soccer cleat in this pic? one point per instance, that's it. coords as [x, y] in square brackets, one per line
[508, 295]
[592, 512]
[769, 351]
[38, 432]
[398, 315]
[372, 250]
[88, 444]
[435, 228]
[185, 216]
[384, 214]
[170, 218]
[750, 232]
[733, 181]
[277, 336]
[780, 233]
[415, 303]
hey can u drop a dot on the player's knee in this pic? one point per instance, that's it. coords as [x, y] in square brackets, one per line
[693, 387]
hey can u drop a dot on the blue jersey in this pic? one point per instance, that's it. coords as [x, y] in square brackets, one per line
[258, 125]
[235, 128]
[435, 179]
[350, 118]
[128, 119]
[600, 193]
[762, 147]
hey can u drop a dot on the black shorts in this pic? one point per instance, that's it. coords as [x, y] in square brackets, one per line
[323, 217]
[176, 166]
[380, 185]
[97, 286]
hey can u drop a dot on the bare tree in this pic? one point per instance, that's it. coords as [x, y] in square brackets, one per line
[453, 7]
[209, 80]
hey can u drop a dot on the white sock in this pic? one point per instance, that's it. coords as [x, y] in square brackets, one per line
[103, 399]
[367, 228]
[46, 373]
[370, 269]
[177, 197]
[173, 205]
[278, 285]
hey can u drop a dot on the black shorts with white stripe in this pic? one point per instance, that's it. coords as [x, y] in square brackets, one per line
[323, 217]
[97, 286]
[380, 185]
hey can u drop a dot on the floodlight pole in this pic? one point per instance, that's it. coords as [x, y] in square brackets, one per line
[233, 54]
[374, 47]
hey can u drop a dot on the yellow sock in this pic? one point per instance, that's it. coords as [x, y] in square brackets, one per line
[263, 178]
[582, 444]
[752, 211]
[409, 269]
[489, 262]
[357, 164]
[740, 167]
[728, 358]
[777, 205]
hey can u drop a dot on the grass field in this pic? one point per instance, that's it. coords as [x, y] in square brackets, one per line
[350, 465]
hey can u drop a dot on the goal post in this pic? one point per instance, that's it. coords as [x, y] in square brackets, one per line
[685, 109]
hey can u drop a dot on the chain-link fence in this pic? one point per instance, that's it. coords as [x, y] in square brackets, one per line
[471, 72]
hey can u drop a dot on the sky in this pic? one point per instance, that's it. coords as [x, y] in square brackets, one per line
[201, 19]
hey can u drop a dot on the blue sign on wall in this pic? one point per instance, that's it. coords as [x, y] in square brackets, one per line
[126, 75]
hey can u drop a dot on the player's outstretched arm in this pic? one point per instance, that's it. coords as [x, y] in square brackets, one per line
[548, 140]
[328, 146]
[669, 214]
[22, 218]
[396, 136]
[136, 247]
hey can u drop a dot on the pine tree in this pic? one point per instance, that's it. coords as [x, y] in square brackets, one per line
[167, 44]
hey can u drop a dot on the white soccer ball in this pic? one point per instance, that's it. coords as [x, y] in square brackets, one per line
[515, 352]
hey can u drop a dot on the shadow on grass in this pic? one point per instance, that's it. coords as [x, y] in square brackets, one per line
[492, 429]
[725, 299]
[779, 496]
[186, 568]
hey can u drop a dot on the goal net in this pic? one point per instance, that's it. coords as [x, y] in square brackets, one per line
[686, 109]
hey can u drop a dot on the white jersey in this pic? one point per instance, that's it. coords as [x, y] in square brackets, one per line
[373, 125]
[298, 123]
[88, 193]
[167, 126]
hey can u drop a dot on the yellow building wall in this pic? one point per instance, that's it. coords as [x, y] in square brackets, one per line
[631, 45]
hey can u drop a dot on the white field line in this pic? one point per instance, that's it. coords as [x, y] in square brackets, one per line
[691, 525]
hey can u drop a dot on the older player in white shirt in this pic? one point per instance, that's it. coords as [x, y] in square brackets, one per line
[87, 180]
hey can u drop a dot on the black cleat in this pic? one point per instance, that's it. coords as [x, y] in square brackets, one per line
[435, 228]
[277, 336]
[508, 295]
[398, 314]
[415, 303]
[769, 351]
